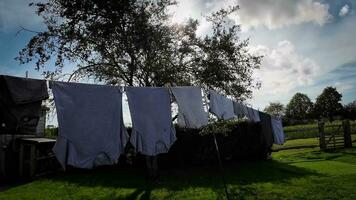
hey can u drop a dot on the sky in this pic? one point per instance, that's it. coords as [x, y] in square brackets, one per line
[307, 45]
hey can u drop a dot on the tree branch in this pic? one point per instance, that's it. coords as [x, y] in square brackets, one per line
[27, 30]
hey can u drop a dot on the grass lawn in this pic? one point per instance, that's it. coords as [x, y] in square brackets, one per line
[303, 173]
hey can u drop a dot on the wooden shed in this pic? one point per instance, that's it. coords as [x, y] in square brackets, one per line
[9, 148]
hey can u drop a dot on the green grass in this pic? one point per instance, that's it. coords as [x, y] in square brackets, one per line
[305, 173]
[298, 143]
[303, 143]
[292, 134]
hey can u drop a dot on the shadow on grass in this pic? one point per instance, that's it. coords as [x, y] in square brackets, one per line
[174, 180]
[317, 155]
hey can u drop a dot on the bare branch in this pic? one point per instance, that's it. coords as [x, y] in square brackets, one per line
[26, 30]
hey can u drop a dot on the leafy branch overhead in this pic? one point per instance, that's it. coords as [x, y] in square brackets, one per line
[134, 43]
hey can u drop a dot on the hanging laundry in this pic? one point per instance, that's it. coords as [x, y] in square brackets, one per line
[266, 129]
[91, 128]
[254, 115]
[277, 128]
[250, 113]
[20, 104]
[221, 106]
[191, 112]
[26, 90]
[257, 115]
[152, 130]
[239, 109]
[245, 110]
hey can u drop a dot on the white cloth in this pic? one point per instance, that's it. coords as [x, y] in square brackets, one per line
[256, 115]
[245, 111]
[221, 106]
[152, 128]
[91, 129]
[238, 109]
[253, 115]
[191, 112]
[277, 129]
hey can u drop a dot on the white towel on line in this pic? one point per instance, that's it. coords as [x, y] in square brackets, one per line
[277, 127]
[221, 106]
[91, 129]
[191, 112]
[152, 130]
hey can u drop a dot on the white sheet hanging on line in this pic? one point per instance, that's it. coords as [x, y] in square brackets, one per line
[245, 111]
[239, 109]
[256, 115]
[91, 129]
[253, 114]
[152, 129]
[277, 129]
[221, 106]
[191, 112]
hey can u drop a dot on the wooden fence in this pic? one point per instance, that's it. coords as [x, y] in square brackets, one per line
[340, 136]
[330, 136]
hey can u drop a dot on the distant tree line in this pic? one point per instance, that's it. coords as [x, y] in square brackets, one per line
[301, 109]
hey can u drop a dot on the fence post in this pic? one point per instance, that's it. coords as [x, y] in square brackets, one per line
[321, 135]
[347, 133]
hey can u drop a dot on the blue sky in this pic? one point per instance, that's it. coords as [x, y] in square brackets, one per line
[307, 45]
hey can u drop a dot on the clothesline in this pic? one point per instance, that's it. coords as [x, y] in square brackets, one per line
[90, 118]
[122, 87]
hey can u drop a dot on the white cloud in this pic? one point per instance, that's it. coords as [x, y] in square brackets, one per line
[344, 10]
[184, 10]
[15, 13]
[280, 13]
[283, 70]
[254, 13]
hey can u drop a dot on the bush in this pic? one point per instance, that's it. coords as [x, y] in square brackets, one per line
[51, 132]
[237, 140]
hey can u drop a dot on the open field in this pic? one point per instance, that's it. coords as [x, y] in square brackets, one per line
[312, 130]
[305, 173]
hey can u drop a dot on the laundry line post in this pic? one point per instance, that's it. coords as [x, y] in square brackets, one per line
[218, 153]
[152, 166]
[347, 134]
[322, 142]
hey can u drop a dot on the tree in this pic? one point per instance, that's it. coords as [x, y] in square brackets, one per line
[133, 43]
[328, 104]
[299, 107]
[275, 108]
[350, 110]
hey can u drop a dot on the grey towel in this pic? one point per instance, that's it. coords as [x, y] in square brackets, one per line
[277, 128]
[152, 129]
[191, 112]
[26, 90]
[221, 106]
[266, 129]
[91, 129]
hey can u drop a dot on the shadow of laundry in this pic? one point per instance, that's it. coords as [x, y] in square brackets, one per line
[181, 179]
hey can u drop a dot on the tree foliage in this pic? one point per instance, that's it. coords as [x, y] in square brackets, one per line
[275, 108]
[299, 107]
[134, 43]
[328, 104]
[350, 110]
